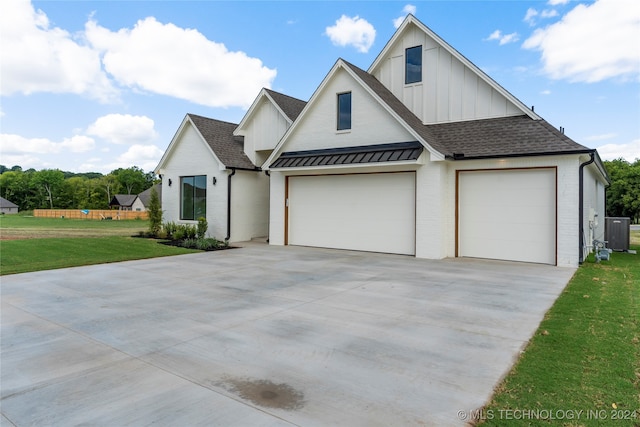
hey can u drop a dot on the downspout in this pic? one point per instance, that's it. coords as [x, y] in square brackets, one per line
[581, 241]
[233, 172]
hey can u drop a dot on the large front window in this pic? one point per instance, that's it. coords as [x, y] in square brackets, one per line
[193, 194]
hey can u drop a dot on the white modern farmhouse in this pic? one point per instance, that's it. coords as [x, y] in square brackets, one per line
[423, 154]
[211, 168]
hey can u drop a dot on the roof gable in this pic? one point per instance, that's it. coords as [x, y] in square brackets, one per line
[287, 106]
[218, 137]
[123, 200]
[377, 91]
[458, 89]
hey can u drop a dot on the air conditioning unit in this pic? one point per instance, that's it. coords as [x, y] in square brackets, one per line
[617, 233]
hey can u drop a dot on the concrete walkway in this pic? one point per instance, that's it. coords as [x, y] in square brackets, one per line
[266, 336]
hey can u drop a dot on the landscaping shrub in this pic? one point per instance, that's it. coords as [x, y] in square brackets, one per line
[155, 213]
[170, 228]
[202, 227]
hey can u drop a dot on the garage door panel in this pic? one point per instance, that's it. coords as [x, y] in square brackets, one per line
[508, 214]
[371, 212]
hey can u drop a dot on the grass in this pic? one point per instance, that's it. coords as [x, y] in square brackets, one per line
[29, 227]
[585, 355]
[35, 244]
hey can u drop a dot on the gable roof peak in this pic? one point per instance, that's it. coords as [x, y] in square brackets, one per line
[411, 19]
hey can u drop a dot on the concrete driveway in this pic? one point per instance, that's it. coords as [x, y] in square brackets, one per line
[266, 336]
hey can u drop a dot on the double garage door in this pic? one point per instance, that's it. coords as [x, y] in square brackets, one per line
[501, 214]
[368, 212]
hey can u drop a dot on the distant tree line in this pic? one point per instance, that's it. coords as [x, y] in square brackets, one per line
[623, 195]
[53, 188]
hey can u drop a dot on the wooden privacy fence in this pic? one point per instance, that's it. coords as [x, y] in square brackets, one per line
[90, 214]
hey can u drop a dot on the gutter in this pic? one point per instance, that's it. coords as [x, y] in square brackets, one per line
[233, 172]
[581, 241]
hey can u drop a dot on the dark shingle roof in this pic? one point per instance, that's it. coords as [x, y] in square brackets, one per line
[499, 137]
[397, 152]
[289, 105]
[145, 196]
[503, 137]
[4, 203]
[227, 147]
[123, 200]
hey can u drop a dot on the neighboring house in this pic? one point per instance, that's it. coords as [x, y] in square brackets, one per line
[127, 202]
[145, 196]
[7, 207]
[211, 168]
[426, 155]
[423, 154]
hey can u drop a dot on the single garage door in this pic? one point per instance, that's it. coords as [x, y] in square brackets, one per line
[367, 212]
[508, 214]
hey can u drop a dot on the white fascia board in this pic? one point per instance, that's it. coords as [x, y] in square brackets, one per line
[172, 144]
[390, 165]
[410, 19]
[176, 138]
[278, 148]
[239, 131]
[435, 154]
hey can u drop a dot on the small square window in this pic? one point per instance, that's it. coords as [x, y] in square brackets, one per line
[413, 65]
[344, 111]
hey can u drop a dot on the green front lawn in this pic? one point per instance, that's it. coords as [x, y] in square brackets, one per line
[584, 357]
[21, 256]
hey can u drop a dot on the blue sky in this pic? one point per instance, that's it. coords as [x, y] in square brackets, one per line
[93, 86]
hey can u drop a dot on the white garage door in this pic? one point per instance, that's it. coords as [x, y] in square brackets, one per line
[368, 212]
[508, 214]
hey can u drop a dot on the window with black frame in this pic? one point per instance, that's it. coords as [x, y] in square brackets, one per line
[344, 111]
[413, 65]
[193, 196]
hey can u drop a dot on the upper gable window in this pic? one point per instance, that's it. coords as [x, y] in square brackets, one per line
[344, 111]
[413, 65]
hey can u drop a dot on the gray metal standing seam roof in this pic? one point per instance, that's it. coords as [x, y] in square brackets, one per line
[402, 151]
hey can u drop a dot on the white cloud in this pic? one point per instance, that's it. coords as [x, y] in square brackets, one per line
[356, 32]
[629, 151]
[39, 58]
[591, 42]
[529, 17]
[408, 9]
[549, 13]
[123, 129]
[503, 38]
[545, 92]
[178, 62]
[558, 2]
[145, 157]
[16, 144]
[602, 137]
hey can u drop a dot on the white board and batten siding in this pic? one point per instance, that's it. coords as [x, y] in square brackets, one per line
[449, 90]
[508, 214]
[263, 131]
[367, 212]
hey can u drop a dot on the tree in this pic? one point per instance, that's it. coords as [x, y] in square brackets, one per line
[155, 212]
[133, 179]
[50, 180]
[623, 195]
